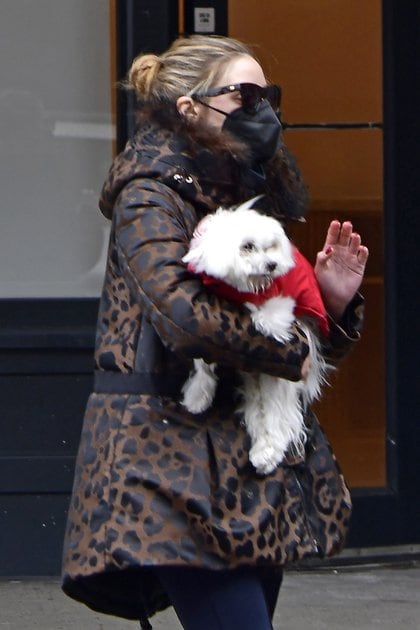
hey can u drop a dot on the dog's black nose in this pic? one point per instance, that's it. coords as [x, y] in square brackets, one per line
[271, 266]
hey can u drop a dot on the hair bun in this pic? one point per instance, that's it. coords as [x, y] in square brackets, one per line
[143, 73]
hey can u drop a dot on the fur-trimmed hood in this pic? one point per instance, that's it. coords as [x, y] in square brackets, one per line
[196, 162]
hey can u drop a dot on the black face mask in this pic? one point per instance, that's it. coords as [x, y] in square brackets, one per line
[260, 129]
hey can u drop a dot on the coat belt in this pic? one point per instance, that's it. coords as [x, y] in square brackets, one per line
[137, 383]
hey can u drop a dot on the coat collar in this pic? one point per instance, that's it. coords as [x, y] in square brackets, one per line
[205, 168]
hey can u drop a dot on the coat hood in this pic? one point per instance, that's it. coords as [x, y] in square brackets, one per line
[196, 162]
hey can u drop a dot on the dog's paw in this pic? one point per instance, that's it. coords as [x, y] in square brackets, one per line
[265, 457]
[275, 317]
[195, 404]
[199, 390]
[197, 398]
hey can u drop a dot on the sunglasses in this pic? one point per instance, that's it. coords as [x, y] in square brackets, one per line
[251, 95]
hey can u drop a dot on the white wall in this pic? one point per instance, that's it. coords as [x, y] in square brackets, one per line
[55, 146]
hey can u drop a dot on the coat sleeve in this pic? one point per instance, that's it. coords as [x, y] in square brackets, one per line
[345, 333]
[153, 227]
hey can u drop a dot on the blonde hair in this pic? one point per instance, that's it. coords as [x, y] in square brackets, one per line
[190, 65]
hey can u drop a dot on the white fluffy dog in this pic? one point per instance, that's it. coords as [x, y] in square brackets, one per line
[250, 253]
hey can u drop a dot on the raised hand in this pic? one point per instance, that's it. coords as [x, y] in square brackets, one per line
[340, 267]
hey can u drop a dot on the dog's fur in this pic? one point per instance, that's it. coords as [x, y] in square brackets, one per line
[248, 251]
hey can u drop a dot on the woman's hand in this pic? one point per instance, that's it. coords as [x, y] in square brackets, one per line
[340, 267]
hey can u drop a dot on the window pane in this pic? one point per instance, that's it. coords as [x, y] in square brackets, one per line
[56, 144]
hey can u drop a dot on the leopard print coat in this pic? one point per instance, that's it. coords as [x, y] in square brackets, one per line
[155, 485]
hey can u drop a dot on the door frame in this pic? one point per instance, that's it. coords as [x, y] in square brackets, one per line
[401, 51]
[391, 515]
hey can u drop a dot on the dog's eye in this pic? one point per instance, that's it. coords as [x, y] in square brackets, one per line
[249, 246]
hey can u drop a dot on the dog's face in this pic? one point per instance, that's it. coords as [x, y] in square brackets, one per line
[243, 248]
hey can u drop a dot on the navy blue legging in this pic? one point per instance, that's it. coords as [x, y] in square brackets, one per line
[237, 599]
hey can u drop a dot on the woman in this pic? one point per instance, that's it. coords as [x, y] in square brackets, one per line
[166, 506]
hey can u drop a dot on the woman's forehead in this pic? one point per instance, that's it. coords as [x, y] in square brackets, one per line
[243, 69]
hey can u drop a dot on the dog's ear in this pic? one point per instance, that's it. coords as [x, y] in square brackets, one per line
[249, 204]
[195, 251]
[193, 256]
[201, 228]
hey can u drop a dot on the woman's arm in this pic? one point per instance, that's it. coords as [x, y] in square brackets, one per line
[153, 228]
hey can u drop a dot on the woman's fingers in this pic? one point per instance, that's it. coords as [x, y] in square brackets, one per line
[345, 235]
[333, 234]
[324, 255]
[341, 238]
[363, 255]
[339, 234]
[355, 243]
